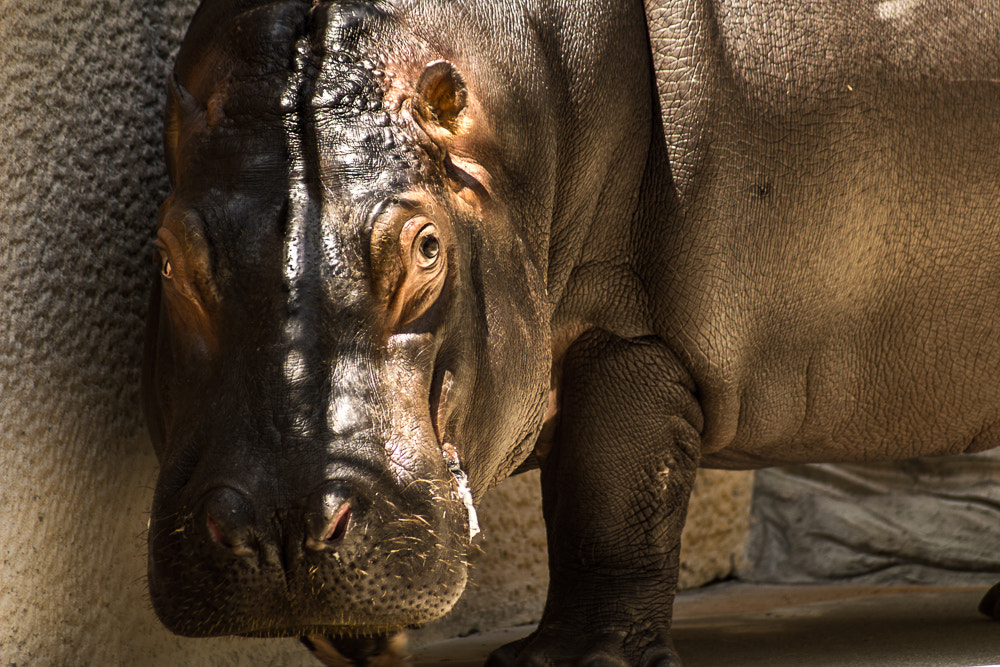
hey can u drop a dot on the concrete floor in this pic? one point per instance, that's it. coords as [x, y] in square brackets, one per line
[744, 625]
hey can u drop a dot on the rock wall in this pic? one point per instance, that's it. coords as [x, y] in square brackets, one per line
[922, 521]
[81, 178]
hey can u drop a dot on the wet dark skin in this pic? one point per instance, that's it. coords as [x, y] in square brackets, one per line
[412, 247]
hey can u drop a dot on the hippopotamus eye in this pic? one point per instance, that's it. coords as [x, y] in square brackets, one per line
[186, 280]
[166, 269]
[428, 246]
[414, 278]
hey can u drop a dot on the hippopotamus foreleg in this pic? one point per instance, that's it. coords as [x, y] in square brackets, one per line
[615, 487]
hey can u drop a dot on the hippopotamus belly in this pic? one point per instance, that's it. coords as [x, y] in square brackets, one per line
[836, 274]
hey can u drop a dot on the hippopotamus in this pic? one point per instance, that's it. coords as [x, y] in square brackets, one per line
[412, 248]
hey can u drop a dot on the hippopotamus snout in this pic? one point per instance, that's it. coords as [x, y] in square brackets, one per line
[355, 551]
[322, 520]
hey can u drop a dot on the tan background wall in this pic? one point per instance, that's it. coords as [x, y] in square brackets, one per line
[81, 91]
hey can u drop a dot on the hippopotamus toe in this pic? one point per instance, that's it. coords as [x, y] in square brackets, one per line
[990, 604]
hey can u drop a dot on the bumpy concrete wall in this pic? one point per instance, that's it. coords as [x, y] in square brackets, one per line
[81, 91]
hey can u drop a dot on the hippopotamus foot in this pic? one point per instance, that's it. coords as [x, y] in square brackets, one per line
[567, 646]
[990, 604]
[615, 485]
[389, 651]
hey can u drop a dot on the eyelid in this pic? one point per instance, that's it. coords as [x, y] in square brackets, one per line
[166, 240]
[411, 229]
[385, 214]
[189, 277]
[389, 220]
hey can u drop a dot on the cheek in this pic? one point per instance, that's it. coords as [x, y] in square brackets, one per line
[190, 326]
[159, 385]
[184, 363]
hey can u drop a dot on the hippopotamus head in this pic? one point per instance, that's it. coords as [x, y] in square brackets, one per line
[348, 342]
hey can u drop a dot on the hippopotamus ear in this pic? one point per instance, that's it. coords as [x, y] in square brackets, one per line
[440, 97]
[182, 107]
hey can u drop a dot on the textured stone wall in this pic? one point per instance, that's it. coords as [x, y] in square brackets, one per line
[923, 521]
[81, 176]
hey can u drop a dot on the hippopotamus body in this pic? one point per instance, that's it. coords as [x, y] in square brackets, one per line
[413, 247]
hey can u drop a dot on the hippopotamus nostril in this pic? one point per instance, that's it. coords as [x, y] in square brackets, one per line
[327, 516]
[228, 521]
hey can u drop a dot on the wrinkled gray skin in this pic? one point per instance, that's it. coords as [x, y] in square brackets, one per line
[405, 236]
